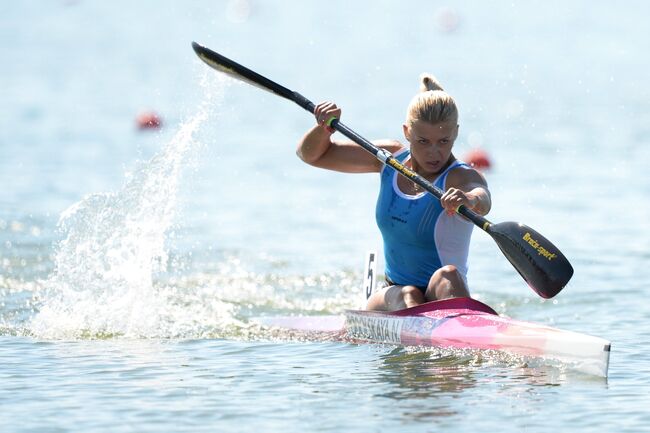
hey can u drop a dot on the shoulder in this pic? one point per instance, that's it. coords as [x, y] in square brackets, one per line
[393, 146]
[465, 177]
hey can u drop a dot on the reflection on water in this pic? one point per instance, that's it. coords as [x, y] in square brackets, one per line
[426, 383]
[427, 373]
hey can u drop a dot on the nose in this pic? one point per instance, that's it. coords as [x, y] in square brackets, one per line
[434, 152]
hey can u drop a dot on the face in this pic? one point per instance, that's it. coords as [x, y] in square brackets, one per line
[431, 144]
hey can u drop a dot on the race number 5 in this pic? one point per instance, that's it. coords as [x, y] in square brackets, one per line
[369, 280]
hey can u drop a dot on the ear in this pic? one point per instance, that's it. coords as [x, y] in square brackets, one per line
[407, 132]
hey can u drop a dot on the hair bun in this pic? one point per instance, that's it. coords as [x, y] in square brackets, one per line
[432, 104]
[429, 82]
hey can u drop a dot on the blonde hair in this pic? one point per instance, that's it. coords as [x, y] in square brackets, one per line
[432, 104]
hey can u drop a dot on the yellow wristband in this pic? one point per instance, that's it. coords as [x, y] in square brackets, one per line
[328, 125]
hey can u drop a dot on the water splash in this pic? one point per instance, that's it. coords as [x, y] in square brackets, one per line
[113, 276]
[114, 246]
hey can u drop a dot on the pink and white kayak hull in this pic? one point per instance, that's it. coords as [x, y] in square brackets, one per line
[461, 323]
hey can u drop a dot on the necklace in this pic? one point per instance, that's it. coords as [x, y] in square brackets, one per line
[417, 189]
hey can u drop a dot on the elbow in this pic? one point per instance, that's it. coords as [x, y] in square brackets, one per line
[306, 157]
[303, 157]
[299, 154]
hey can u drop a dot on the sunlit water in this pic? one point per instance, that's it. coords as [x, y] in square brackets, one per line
[133, 263]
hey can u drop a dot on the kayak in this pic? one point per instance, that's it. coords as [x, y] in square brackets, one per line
[463, 323]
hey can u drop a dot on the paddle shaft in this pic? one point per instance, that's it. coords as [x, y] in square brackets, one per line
[241, 72]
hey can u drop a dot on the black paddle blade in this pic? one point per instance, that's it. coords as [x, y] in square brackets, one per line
[239, 72]
[537, 260]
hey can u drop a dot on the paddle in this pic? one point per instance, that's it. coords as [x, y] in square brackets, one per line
[537, 260]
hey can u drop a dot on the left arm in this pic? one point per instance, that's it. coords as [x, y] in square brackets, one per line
[468, 188]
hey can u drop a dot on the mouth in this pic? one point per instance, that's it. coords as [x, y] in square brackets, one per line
[432, 164]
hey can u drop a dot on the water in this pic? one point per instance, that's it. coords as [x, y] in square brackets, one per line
[133, 262]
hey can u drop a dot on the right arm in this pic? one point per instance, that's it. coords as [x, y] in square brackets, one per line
[318, 149]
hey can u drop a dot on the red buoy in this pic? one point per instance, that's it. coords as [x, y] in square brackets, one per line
[148, 120]
[478, 158]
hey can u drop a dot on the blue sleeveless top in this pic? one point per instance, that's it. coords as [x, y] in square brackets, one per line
[419, 237]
